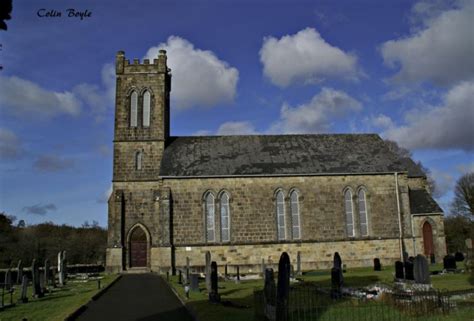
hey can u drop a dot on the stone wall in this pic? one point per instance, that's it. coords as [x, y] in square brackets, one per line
[253, 208]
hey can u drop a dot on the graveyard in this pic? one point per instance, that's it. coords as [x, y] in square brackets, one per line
[48, 292]
[337, 294]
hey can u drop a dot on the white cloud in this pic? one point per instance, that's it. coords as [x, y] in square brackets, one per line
[237, 128]
[381, 121]
[440, 51]
[305, 57]
[444, 182]
[447, 126]
[316, 115]
[24, 98]
[465, 168]
[199, 77]
[10, 145]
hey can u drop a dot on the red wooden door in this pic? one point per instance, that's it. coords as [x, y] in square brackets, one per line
[138, 248]
[428, 239]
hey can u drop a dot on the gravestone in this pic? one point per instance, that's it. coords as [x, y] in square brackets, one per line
[8, 279]
[337, 261]
[187, 269]
[24, 289]
[421, 270]
[298, 263]
[47, 273]
[53, 278]
[262, 267]
[37, 293]
[60, 269]
[214, 295]
[194, 281]
[180, 280]
[64, 266]
[399, 271]
[459, 256]
[432, 258]
[409, 273]
[283, 287]
[292, 272]
[377, 265]
[208, 271]
[19, 272]
[238, 274]
[269, 295]
[42, 282]
[449, 263]
[226, 275]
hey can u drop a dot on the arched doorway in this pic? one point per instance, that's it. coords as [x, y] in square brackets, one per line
[428, 239]
[138, 248]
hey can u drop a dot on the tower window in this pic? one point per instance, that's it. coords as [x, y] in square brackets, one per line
[146, 109]
[138, 160]
[133, 109]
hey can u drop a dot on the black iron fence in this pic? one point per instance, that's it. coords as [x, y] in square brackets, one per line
[309, 303]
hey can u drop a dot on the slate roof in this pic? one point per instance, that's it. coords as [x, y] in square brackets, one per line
[414, 170]
[278, 155]
[421, 202]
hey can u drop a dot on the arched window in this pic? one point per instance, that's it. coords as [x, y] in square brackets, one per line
[225, 218]
[295, 215]
[133, 109]
[210, 218]
[364, 230]
[280, 207]
[138, 160]
[146, 109]
[349, 213]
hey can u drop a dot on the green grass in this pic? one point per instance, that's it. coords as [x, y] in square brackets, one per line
[53, 306]
[242, 294]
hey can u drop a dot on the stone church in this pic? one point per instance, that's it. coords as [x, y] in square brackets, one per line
[248, 198]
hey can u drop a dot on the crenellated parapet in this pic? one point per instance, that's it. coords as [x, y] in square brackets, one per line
[124, 66]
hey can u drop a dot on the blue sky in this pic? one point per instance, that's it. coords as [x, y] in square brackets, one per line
[403, 69]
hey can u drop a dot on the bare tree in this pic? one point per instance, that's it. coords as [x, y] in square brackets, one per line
[463, 202]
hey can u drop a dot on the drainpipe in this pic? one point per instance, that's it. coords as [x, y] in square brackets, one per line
[399, 216]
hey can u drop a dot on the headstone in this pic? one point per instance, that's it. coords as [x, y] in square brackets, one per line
[47, 273]
[459, 256]
[37, 293]
[432, 258]
[180, 277]
[60, 268]
[449, 263]
[399, 271]
[292, 271]
[42, 282]
[194, 282]
[214, 295]
[262, 267]
[24, 289]
[377, 265]
[238, 274]
[336, 282]
[208, 271]
[226, 274]
[8, 279]
[421, 270]
[409, 273]
[187, 269]
[283, 287]
[269, 295]
[53, 278]
[298, 263]
[64, 266]
[19, 272]
[337, 261]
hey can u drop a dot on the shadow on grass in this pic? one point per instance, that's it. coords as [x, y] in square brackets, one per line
[180, 314]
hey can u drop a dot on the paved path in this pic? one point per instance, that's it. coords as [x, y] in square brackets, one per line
[137, 297]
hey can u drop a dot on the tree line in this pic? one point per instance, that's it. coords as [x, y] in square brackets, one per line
[84, 245]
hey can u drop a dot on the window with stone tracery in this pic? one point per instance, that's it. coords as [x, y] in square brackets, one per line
[295, 215]
[349, 213]
[210, 218]
[280, 211]
[225, 218]
[362, 202]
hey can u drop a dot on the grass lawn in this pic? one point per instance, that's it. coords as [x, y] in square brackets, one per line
[242, 294]
[54, 306]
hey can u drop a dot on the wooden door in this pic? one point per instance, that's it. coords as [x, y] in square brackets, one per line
[428, 239]
[138, 248]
